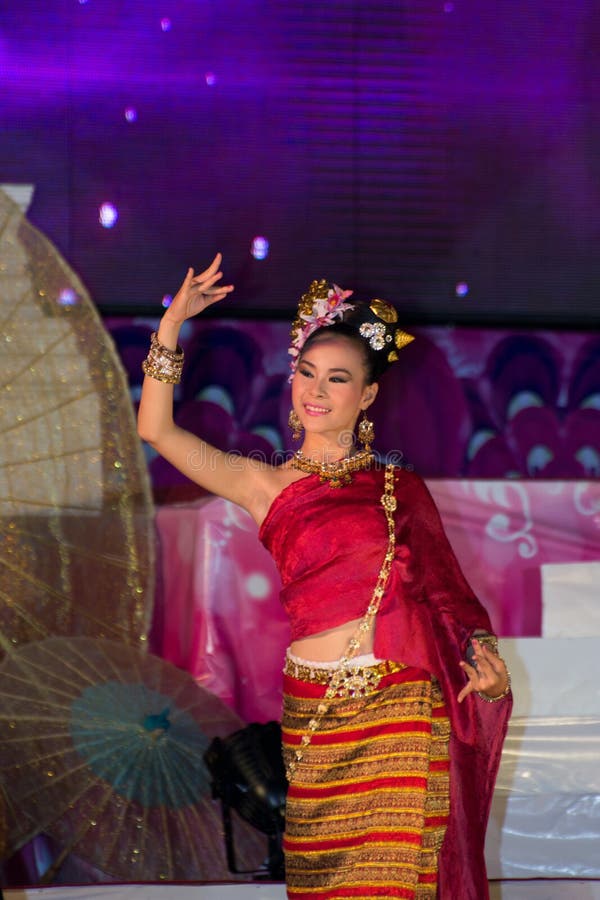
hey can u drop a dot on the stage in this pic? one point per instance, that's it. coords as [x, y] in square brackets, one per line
[508, 890]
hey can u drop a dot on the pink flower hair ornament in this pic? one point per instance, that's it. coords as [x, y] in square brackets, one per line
[320, 306]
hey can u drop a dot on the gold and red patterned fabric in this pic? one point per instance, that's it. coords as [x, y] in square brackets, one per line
[368, 805]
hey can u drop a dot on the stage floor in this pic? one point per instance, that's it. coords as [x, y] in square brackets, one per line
[508, 890]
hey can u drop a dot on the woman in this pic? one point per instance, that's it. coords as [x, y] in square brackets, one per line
[391, 738]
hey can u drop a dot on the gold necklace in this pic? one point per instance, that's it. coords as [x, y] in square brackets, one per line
[338, 472]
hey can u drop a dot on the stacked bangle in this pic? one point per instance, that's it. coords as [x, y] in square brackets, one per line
[163, 364]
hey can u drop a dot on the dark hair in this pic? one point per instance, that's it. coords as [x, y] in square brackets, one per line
[376, 361]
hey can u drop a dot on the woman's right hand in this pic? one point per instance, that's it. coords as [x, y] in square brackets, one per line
[197, 292]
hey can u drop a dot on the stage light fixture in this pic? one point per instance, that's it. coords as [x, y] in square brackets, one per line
[248, 776]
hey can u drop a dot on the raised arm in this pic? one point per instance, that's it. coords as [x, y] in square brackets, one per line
[229, 476]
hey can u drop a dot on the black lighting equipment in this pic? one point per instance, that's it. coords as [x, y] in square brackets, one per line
[248, 776]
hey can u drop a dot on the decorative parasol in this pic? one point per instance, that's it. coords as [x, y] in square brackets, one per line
[76, 532]
[102, 749]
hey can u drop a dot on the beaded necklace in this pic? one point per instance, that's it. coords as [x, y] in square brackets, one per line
[338, 472]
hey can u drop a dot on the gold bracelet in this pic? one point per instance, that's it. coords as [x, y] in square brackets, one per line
[501, 696]
[490, 640]
[163, 364]
[175, 355]
[161, 373]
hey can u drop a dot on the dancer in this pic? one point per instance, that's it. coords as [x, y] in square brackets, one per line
[396, 700]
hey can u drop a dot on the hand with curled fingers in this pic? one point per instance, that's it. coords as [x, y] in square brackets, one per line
[487, 673]
[197, 292]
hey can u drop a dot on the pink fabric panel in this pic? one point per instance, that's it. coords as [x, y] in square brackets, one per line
[221, 618]
[504, 531]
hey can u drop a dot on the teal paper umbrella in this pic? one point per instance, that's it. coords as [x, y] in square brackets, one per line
[102, 749]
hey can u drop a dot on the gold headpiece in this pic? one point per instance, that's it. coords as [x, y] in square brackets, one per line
[323, 303]
[377, 335]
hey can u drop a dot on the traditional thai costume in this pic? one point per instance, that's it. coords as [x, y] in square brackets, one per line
[392, 796]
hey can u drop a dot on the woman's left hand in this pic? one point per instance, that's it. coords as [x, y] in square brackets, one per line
[489, 674]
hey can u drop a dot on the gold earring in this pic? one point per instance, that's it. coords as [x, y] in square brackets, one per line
[295, 424]
[366, 432]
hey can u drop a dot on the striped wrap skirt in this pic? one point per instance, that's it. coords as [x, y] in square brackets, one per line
[368, 803]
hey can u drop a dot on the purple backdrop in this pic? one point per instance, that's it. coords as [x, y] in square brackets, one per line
[441, 153]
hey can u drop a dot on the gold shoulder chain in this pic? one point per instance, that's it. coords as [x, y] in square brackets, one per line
[343, 682]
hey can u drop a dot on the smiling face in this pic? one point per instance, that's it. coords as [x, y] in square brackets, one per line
[329, 390]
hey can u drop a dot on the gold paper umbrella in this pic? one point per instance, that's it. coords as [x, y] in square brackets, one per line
[103, 749]
[76, 544]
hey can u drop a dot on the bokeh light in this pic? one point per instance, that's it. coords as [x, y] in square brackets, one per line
[210, 78]
[166, 300]
[258, 586]
[67, 297]
[108, 215]
[462, 289]
[130, 114]
[165, 24]
[260, 247]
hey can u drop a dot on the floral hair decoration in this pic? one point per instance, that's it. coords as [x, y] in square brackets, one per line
[321, 305]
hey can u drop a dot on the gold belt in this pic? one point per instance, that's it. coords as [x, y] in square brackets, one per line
[363, 677]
